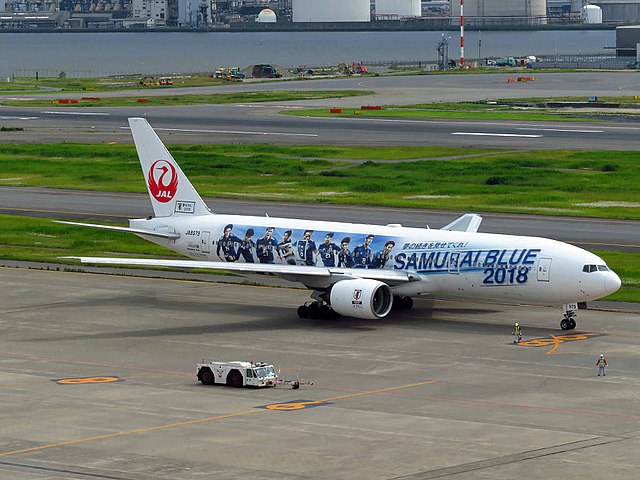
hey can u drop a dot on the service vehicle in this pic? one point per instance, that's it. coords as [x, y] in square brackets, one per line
[237, 373]
[265, 71]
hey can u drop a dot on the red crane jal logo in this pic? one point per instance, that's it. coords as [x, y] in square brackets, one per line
[163, 181]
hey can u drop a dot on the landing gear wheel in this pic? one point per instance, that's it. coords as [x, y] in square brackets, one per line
[572, 324]
[206, 377]
[565, 324]
[402, 303]
[407, 303]
[234, 379]
[318, 311]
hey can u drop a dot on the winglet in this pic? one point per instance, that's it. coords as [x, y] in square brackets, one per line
[469, 222]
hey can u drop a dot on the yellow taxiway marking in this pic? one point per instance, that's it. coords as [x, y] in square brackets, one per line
[556, 340]
[201, 420]
[85, 380]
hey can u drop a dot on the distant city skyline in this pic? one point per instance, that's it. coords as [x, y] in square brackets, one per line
[217, 14]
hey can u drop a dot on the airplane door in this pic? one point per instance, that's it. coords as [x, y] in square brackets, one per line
[454, 263]
[204, 242]
[544, 267]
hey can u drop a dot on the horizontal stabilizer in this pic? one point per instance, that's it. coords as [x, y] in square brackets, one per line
[139, 231]
[469, 222]
[387, 276]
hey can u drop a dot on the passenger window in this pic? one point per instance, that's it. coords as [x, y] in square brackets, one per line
[603, 268]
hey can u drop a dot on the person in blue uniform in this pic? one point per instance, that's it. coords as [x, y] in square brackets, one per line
[328, 250]
[266, 246]
[227, 245]
[286, 248]
[362, 253]
[246, 247]
[380, 259]
[306, 249]
[345, 259]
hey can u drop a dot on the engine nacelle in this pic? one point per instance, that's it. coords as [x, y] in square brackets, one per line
[361, 298]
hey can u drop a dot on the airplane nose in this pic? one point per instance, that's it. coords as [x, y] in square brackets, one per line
[612, 283]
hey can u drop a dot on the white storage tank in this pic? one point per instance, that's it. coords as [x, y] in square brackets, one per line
[267, 16]
[331, 10]
[401, 8]
[592, 14]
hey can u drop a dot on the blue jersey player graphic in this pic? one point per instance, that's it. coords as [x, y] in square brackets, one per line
[306, 249]
[345, 259]
[246, 247]
[227, 245]
[362, 253]
[286, 248]
[380, 259]
[265, 247]
[327, 251]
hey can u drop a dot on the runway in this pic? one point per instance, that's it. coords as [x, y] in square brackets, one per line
[262, 122]
[97, 375]
[590, 233]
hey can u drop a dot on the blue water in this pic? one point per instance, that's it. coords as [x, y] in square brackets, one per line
[92, 54]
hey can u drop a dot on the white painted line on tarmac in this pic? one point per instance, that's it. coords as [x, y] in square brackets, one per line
[18, 118]
[232, 132]
[54, 112]
[561, 130]
[482, 134]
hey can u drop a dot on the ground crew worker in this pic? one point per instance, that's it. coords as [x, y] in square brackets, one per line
[517, 333]
[601, 363]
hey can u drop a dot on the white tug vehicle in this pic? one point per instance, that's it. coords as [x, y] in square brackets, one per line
[237, 374]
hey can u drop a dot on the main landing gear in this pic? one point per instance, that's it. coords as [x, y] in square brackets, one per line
[317, 310]
[568, 322]
[402, 303]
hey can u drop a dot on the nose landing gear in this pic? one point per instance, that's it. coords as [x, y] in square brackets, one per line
[568, 322]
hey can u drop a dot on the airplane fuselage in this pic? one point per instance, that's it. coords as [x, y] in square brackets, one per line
[449, 264]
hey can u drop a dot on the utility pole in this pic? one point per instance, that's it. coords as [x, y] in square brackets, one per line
[461, 33]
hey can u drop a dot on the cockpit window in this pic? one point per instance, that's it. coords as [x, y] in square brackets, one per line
[595, 268]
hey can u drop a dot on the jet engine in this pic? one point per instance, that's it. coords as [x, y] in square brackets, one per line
[361, 298]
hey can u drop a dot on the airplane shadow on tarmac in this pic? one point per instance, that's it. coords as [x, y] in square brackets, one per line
[275, 318]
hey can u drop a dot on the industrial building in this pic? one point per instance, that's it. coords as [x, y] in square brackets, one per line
[492, 13]
[619, 11]
[627, 40]
[391, 9]
[331, 11]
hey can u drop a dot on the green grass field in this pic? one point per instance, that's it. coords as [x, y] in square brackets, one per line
[105, 84]
[578, 183]
[445, 110]
[173, 100]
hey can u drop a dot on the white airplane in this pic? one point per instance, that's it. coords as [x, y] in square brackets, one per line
[358, 270]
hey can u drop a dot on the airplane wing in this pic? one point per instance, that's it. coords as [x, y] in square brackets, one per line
[152, 233]
[469, 222]
[294, 272]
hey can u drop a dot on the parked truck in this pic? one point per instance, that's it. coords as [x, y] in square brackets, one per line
[265, 71]
[237, 373]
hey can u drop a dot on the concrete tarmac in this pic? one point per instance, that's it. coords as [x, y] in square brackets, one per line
[437, 392]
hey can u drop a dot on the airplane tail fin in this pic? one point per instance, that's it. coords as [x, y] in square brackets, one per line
[170, 190]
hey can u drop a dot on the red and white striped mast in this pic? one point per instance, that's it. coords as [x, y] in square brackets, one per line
[461, 33]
